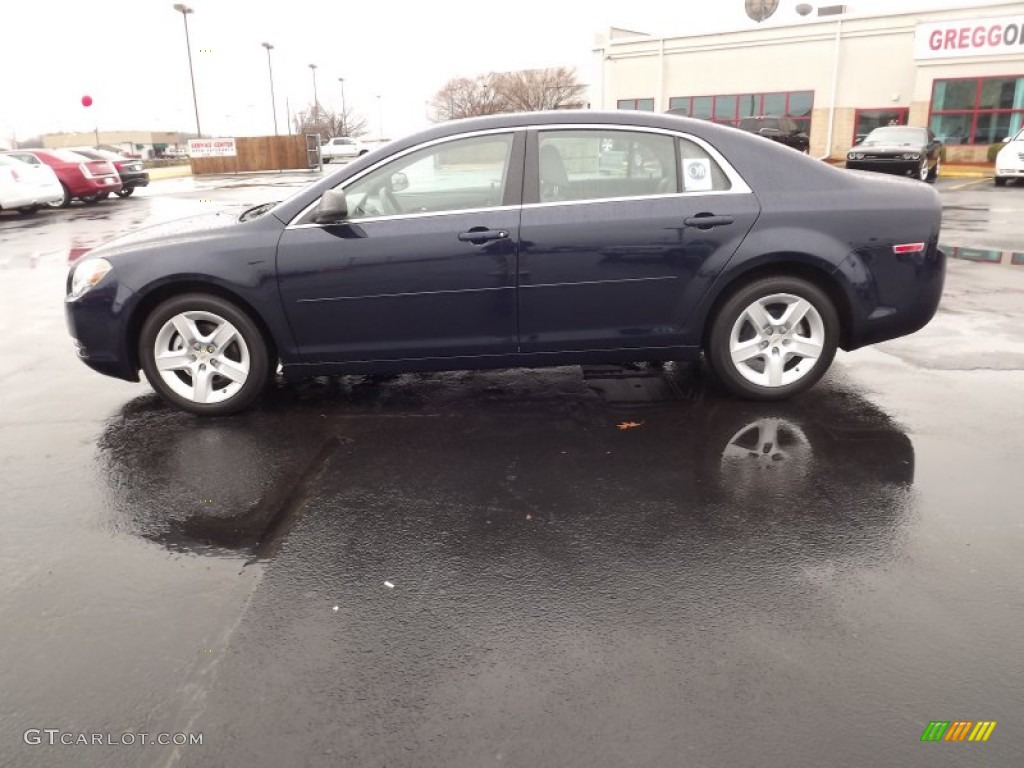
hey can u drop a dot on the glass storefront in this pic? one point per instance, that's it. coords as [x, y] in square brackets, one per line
[731, 108]
[643, 105]
[977, 110]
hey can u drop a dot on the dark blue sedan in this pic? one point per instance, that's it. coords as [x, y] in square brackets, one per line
[523, 240]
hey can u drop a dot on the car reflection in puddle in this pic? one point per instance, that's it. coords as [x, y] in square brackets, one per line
[480, 455]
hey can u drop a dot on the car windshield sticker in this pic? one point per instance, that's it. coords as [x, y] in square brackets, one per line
[697, 175]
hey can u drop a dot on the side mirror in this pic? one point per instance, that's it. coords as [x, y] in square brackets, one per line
[399, 182]
[1007, 140]
[332, 208]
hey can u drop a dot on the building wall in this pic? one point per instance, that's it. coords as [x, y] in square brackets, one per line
[877, 69]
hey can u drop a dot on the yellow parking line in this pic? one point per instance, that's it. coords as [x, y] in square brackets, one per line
[971, 183]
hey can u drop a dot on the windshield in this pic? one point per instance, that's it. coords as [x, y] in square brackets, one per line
[896, 135]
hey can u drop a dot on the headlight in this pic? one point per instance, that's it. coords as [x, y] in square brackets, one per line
[87, 274]
[912, 156]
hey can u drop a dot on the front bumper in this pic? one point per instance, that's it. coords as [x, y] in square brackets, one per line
[98, 324]
[899, 167]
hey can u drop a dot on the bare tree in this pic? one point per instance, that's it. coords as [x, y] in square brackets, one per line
[328, 124]
[537, 89]
[522, 91]
[466, 97]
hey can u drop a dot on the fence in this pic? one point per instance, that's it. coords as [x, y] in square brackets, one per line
[260, 153]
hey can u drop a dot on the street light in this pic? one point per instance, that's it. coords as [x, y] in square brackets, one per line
[316, 114]
[184, 10]
[344, 112]
[270, 68]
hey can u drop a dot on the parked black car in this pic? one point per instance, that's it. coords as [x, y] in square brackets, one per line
[131, 171]
[902, 149]
[781, 129]
[527, 239]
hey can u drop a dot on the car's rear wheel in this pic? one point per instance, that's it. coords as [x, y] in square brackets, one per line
[924, 172]
[204, 354]
[933, 174]
[1000, 181]
[91, 199]
[125, 191]
[65, 202]
[773, 338]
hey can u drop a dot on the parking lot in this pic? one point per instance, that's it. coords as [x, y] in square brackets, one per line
[559, 567]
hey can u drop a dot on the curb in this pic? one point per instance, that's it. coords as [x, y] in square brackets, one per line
[170, 172]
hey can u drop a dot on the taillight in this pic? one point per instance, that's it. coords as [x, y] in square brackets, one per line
[118, 165]
[899, 250]
[85, 170]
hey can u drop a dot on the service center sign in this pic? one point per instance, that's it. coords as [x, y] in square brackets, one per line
[211, 148]
[965, 37]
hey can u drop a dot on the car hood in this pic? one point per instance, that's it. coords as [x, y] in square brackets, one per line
[179, 231]
[882, 146]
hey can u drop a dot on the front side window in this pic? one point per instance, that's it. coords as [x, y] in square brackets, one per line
[457, 175]
[641, 105]
[598, 164]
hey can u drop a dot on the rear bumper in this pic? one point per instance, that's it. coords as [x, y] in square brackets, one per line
[1010, 173]
[895, 295]
[134, 179]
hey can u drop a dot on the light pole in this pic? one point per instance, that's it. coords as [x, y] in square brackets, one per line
[344, 111]
[270, 68]
[184, 10]
[316, 113]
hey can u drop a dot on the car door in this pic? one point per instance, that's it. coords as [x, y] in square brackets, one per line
[622, 233]
[425, 265]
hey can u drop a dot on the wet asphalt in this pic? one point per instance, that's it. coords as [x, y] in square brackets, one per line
[561, 567]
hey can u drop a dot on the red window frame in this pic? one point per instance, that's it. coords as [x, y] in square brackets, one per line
[976, 111]
[635, 102]
[687, 101]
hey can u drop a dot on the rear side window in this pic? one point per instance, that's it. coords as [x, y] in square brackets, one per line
[68, 156]
[601, 163]
[699, 171]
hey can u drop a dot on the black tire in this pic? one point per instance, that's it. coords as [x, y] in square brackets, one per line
[125, 191]
[67, 198]
[28, 210]
[933, 174]
[717, 348]
[325, 160]
[91, 199]
[1000, 181]
[258, 354]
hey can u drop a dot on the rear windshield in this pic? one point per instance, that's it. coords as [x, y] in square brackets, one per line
[68, 156]
[757, 123]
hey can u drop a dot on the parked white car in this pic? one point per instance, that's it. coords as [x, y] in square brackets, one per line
[1010, 160]
[343, 148]
[25, 187]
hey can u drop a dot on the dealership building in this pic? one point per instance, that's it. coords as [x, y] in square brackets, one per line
[837, 72]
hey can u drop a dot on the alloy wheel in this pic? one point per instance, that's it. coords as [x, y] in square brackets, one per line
[201, 357]
[777, 340]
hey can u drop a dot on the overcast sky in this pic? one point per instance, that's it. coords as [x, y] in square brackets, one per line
[129, 55]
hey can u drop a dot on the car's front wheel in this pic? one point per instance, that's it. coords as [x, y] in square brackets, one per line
[773, 338]
[125, 191]
[204, 354]
[1000, 181]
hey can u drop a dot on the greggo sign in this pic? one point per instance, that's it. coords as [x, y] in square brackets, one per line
[958, 38]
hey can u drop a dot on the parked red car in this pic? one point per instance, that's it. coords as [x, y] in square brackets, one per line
[87, 180]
